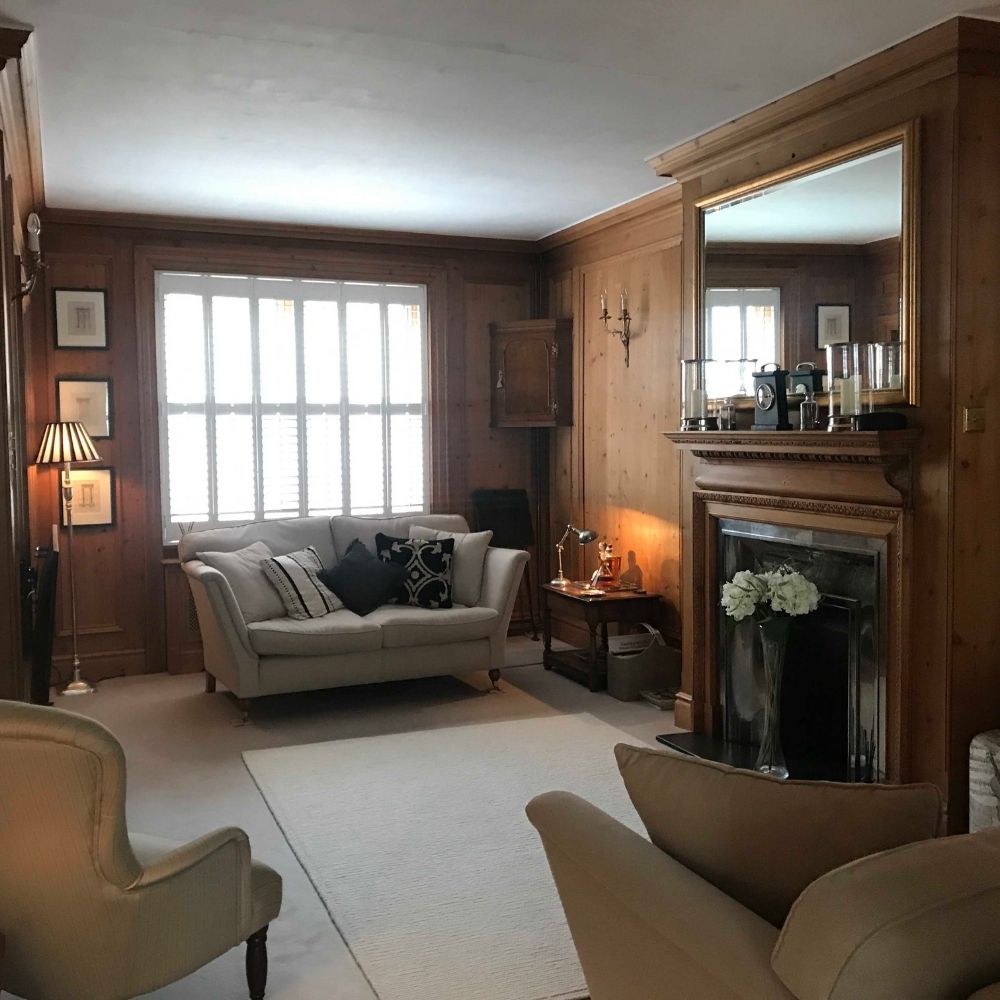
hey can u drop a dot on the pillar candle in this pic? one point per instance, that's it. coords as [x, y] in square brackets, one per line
[699, 403]
[849, 393]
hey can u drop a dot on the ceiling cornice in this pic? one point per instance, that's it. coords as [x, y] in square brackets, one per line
[956, 44]
[278, 230]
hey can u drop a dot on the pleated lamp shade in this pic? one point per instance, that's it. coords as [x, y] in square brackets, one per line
[66, 441]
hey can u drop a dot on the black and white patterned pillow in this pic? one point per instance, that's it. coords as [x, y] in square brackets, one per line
[296, 578]
[427, 565]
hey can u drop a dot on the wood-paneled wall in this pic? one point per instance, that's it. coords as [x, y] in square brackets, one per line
[133, 617]
[613, 471]
[948, 81]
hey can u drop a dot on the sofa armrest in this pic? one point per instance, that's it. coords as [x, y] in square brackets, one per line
[225, 639]
[502, 572]
[644, 926]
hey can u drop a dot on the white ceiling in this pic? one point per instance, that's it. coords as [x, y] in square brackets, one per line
[509, 118]
[856, 202]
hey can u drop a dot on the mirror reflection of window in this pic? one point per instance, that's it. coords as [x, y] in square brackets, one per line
[740, 323]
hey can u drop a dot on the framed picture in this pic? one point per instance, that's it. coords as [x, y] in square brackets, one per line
[833, 324]
[88, 399]
[93, 497]
[80, 319]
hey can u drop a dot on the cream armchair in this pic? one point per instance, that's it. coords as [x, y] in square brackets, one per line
[754, 889]
[92, 911]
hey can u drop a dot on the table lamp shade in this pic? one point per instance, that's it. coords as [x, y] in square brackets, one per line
[66, 441]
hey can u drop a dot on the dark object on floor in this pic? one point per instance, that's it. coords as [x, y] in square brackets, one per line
[43, 625]
[507, 514]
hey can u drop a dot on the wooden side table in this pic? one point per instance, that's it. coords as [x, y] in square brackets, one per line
[589, 666]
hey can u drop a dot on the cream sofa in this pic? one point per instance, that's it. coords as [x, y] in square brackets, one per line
[393, 642]
[754, 889]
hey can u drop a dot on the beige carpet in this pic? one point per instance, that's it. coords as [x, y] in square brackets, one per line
[418, 845]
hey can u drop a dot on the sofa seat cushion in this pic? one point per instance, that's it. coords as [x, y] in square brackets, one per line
[340, 632]
[403, 625]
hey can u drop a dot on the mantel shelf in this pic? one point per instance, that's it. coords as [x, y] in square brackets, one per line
[853, 467]
[865, 447]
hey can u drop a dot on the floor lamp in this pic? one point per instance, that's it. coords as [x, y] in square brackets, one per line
[62, 444]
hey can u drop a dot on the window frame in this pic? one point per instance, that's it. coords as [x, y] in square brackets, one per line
[743, 298]
[299, 289]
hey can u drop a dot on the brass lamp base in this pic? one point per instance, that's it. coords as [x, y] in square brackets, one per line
[78, 685]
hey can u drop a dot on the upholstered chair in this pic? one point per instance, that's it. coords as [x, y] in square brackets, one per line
[89, 909]
[750, 888]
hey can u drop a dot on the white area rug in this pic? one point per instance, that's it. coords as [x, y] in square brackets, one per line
[418, 845]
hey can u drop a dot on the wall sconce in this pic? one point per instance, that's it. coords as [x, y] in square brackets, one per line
[624, 334]
[32, 261]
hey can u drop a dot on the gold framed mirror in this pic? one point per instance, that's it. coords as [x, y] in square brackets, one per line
[821, 252]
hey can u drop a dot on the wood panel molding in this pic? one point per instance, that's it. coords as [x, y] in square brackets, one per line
[245, 230]
[928, 57]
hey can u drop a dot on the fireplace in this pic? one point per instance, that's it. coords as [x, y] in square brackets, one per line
[837, 508]
[833, 700]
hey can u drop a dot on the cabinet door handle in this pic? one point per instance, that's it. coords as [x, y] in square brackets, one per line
[555, 408]
[500, 379]
[555, 350]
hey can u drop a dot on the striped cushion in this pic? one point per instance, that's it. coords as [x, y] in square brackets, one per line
[295, 578]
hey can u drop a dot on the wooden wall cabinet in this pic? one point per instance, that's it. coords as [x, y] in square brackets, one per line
[531, 364]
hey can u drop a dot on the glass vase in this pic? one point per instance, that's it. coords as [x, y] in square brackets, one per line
[773, 643]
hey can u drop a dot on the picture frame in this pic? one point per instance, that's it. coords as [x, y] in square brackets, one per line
[833, 324]
[88, 399]
[81, 319]
[93, 498]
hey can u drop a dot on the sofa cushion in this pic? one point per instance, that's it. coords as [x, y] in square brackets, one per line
[339, 632]
[282, 535]
[361, 581]
[917, 921]
[296, 578]
[426, 567]
[467, 566]
[406, 626]
[346, 528]
[762, 840]
[244, 571]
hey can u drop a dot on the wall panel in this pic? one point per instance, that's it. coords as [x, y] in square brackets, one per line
[132, 616]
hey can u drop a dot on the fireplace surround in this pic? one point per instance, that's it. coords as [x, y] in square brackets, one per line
[836, 506]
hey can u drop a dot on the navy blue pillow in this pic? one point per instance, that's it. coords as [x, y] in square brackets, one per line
[361, 581]
[426, 565]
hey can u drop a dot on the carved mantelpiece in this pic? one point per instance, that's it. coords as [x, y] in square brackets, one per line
[855, 483]
[860, 468]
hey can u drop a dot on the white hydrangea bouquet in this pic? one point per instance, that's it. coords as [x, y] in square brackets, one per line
[772, 600]
[764, 596]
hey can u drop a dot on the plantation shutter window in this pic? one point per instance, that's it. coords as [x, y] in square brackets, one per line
[741, 323]
[281, 397]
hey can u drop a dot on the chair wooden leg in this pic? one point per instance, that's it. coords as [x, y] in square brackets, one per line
[257, 964]
[209, 683]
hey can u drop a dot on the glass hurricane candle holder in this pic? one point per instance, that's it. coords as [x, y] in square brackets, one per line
[888, 371]
[850, 369]
[695, 415]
